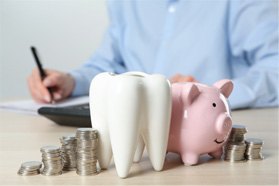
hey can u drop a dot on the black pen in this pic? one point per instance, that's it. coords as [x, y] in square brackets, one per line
[41, 70]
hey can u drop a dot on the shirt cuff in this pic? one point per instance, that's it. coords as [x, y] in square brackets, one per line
[81, 84]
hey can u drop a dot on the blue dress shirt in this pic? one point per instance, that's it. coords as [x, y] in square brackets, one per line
[208, 39]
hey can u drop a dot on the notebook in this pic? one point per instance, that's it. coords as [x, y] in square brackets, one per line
[70, 112]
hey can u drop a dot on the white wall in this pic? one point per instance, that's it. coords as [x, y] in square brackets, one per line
[65, 32]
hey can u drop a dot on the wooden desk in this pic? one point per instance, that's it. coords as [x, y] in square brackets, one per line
[21, 137]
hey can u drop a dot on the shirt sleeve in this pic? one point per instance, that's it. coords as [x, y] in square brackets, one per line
[253, 32]
[107, 58]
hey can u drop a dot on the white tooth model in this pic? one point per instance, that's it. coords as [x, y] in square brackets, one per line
[130, 110]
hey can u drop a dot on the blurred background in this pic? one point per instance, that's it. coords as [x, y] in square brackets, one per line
[65, 33]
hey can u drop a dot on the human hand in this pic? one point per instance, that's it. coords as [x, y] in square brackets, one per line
[60, 83]
[182, 78]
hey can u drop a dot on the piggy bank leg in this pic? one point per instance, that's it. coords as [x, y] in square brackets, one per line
[190, 158]
[216, 154]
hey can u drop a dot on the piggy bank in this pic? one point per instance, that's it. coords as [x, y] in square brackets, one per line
[200, 121]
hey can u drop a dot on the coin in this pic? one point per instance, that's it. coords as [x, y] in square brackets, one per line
[29, 168]
[68, 151]
[87, 140]
[235, 148]
[52, 160]
[234, 152]
[239, 149]
[237, 134]
[254, 149]
[50, 148]
[78, 152]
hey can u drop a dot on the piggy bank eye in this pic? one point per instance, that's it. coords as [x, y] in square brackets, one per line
[214, 104]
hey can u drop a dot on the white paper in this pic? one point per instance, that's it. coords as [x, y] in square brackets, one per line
[31, 107]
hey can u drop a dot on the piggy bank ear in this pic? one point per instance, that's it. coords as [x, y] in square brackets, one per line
[190, 93]
[225, 86]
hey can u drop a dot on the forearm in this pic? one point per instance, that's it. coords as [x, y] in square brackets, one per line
[101, 61]
[258, 88]
[253, 28]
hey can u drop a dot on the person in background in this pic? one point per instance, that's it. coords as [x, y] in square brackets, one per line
[202, 41]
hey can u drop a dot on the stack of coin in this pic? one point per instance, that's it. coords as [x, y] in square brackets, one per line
[68, 150]
[234, 152]
[237, 134]
[30, 168]
[254, 148]
[87, 140]
[52, 160]
[235, 147]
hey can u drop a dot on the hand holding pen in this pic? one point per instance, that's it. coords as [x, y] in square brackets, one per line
[48, 86]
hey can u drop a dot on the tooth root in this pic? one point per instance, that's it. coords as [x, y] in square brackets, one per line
[104, 152]
[99, 119]
[159, 112]
[139, 151]
[123, 119]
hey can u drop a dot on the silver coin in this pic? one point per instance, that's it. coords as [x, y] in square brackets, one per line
[50, 148]
[68, 150]
[234, 150]
[254, 141]
[52, 160]
[30, 168]
[31, 164]
[86, 151]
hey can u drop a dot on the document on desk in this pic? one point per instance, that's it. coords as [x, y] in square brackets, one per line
[31, 107]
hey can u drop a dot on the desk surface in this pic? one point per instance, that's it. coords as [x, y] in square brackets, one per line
[21, 137]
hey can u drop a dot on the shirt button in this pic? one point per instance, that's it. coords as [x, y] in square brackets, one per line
[172, 9]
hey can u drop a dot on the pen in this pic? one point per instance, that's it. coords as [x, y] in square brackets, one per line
[41, 70]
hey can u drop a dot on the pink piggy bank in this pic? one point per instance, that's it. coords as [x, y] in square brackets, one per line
[200, 121]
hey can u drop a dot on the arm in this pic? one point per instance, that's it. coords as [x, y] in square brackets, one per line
[253, 27]
[106, 58]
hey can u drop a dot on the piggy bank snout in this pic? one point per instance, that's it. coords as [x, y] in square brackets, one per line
[224, 123]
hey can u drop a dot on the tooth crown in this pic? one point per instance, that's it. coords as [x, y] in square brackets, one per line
[200, 121]
[129, 111]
